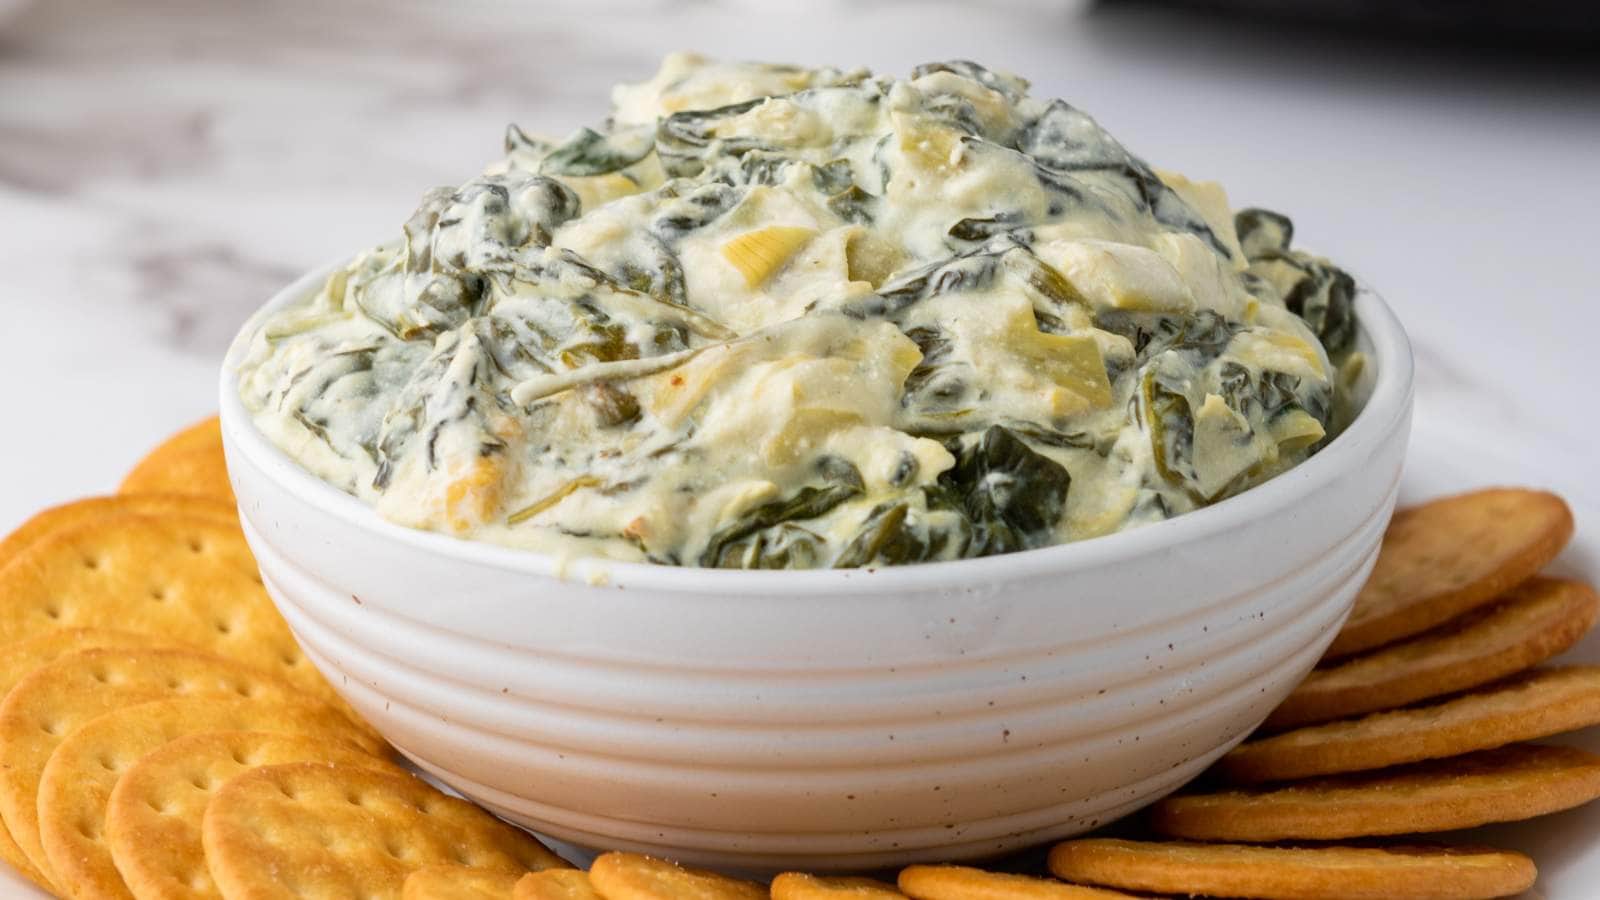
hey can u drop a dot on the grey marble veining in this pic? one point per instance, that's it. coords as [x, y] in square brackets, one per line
[164, 166]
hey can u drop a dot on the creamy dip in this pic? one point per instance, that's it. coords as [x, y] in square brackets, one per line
[786, 318]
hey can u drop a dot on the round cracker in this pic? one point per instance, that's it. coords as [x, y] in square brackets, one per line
[78, 779]
[20, 659]
[78, 512]
[1535, 621]
[963, 883]
[800, 886]
[313, 829]
[1443, 558]
[634, 876]
[154, 813]
[1526, 707]
[459, 883]
[17, 661]
[556, 884]
[188, 580]
[1295, 873]
[189, 462]
[57, 699]
[1502, 785]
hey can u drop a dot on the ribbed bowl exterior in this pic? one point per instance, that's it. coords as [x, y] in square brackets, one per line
[830, 720]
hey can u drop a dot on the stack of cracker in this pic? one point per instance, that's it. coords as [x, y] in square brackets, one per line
[1416, 721]
[162, 734]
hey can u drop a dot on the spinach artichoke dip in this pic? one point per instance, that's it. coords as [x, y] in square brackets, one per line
[773, 317]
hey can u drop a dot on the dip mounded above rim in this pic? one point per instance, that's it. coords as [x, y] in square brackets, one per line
[835, 719]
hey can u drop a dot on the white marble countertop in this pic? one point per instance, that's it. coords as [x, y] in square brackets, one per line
[164, 166]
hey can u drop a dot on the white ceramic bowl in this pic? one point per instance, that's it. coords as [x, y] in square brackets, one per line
[829, 719]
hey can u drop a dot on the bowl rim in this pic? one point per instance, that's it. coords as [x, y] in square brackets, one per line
[1386, 409]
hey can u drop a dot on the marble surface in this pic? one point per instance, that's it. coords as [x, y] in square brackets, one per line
[165, 165]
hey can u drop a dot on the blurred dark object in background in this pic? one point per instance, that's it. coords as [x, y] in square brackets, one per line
[1531, 24]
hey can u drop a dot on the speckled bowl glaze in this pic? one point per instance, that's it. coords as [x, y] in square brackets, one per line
[829, 719]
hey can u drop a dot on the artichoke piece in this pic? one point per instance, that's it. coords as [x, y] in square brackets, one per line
[588, 152]
[1071, 362]
[1296, 429]
[758, 254]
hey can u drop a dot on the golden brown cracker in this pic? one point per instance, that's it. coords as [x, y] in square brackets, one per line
[1295, 873]
[78, 778]
[556, 884]
[17, 661]
[964, 883]
[154, 813]
[1525, 707]
[1502, 785]
[459, 883]
[20, 659]
[1533, 622]
[313, 829]
[89, 509]
[800, 886]
[12, 854]
[634, 876]
[186, 580]
[60, 697]
[189, 462]
[1451, 555]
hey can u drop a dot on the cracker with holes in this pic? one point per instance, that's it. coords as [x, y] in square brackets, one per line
[51, 704]
[634, 876]
[91, 509]
[1444, 558]
[189, 462]
[153, 816]
[800, 886]
[459, 883]
[1503, 785]
[1535, 621]
[1525, 707]
[77, 782]
[556, 884]
[186, 580]
[20, 659]
[314, 829]
[1295, 873]
[963, 883]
